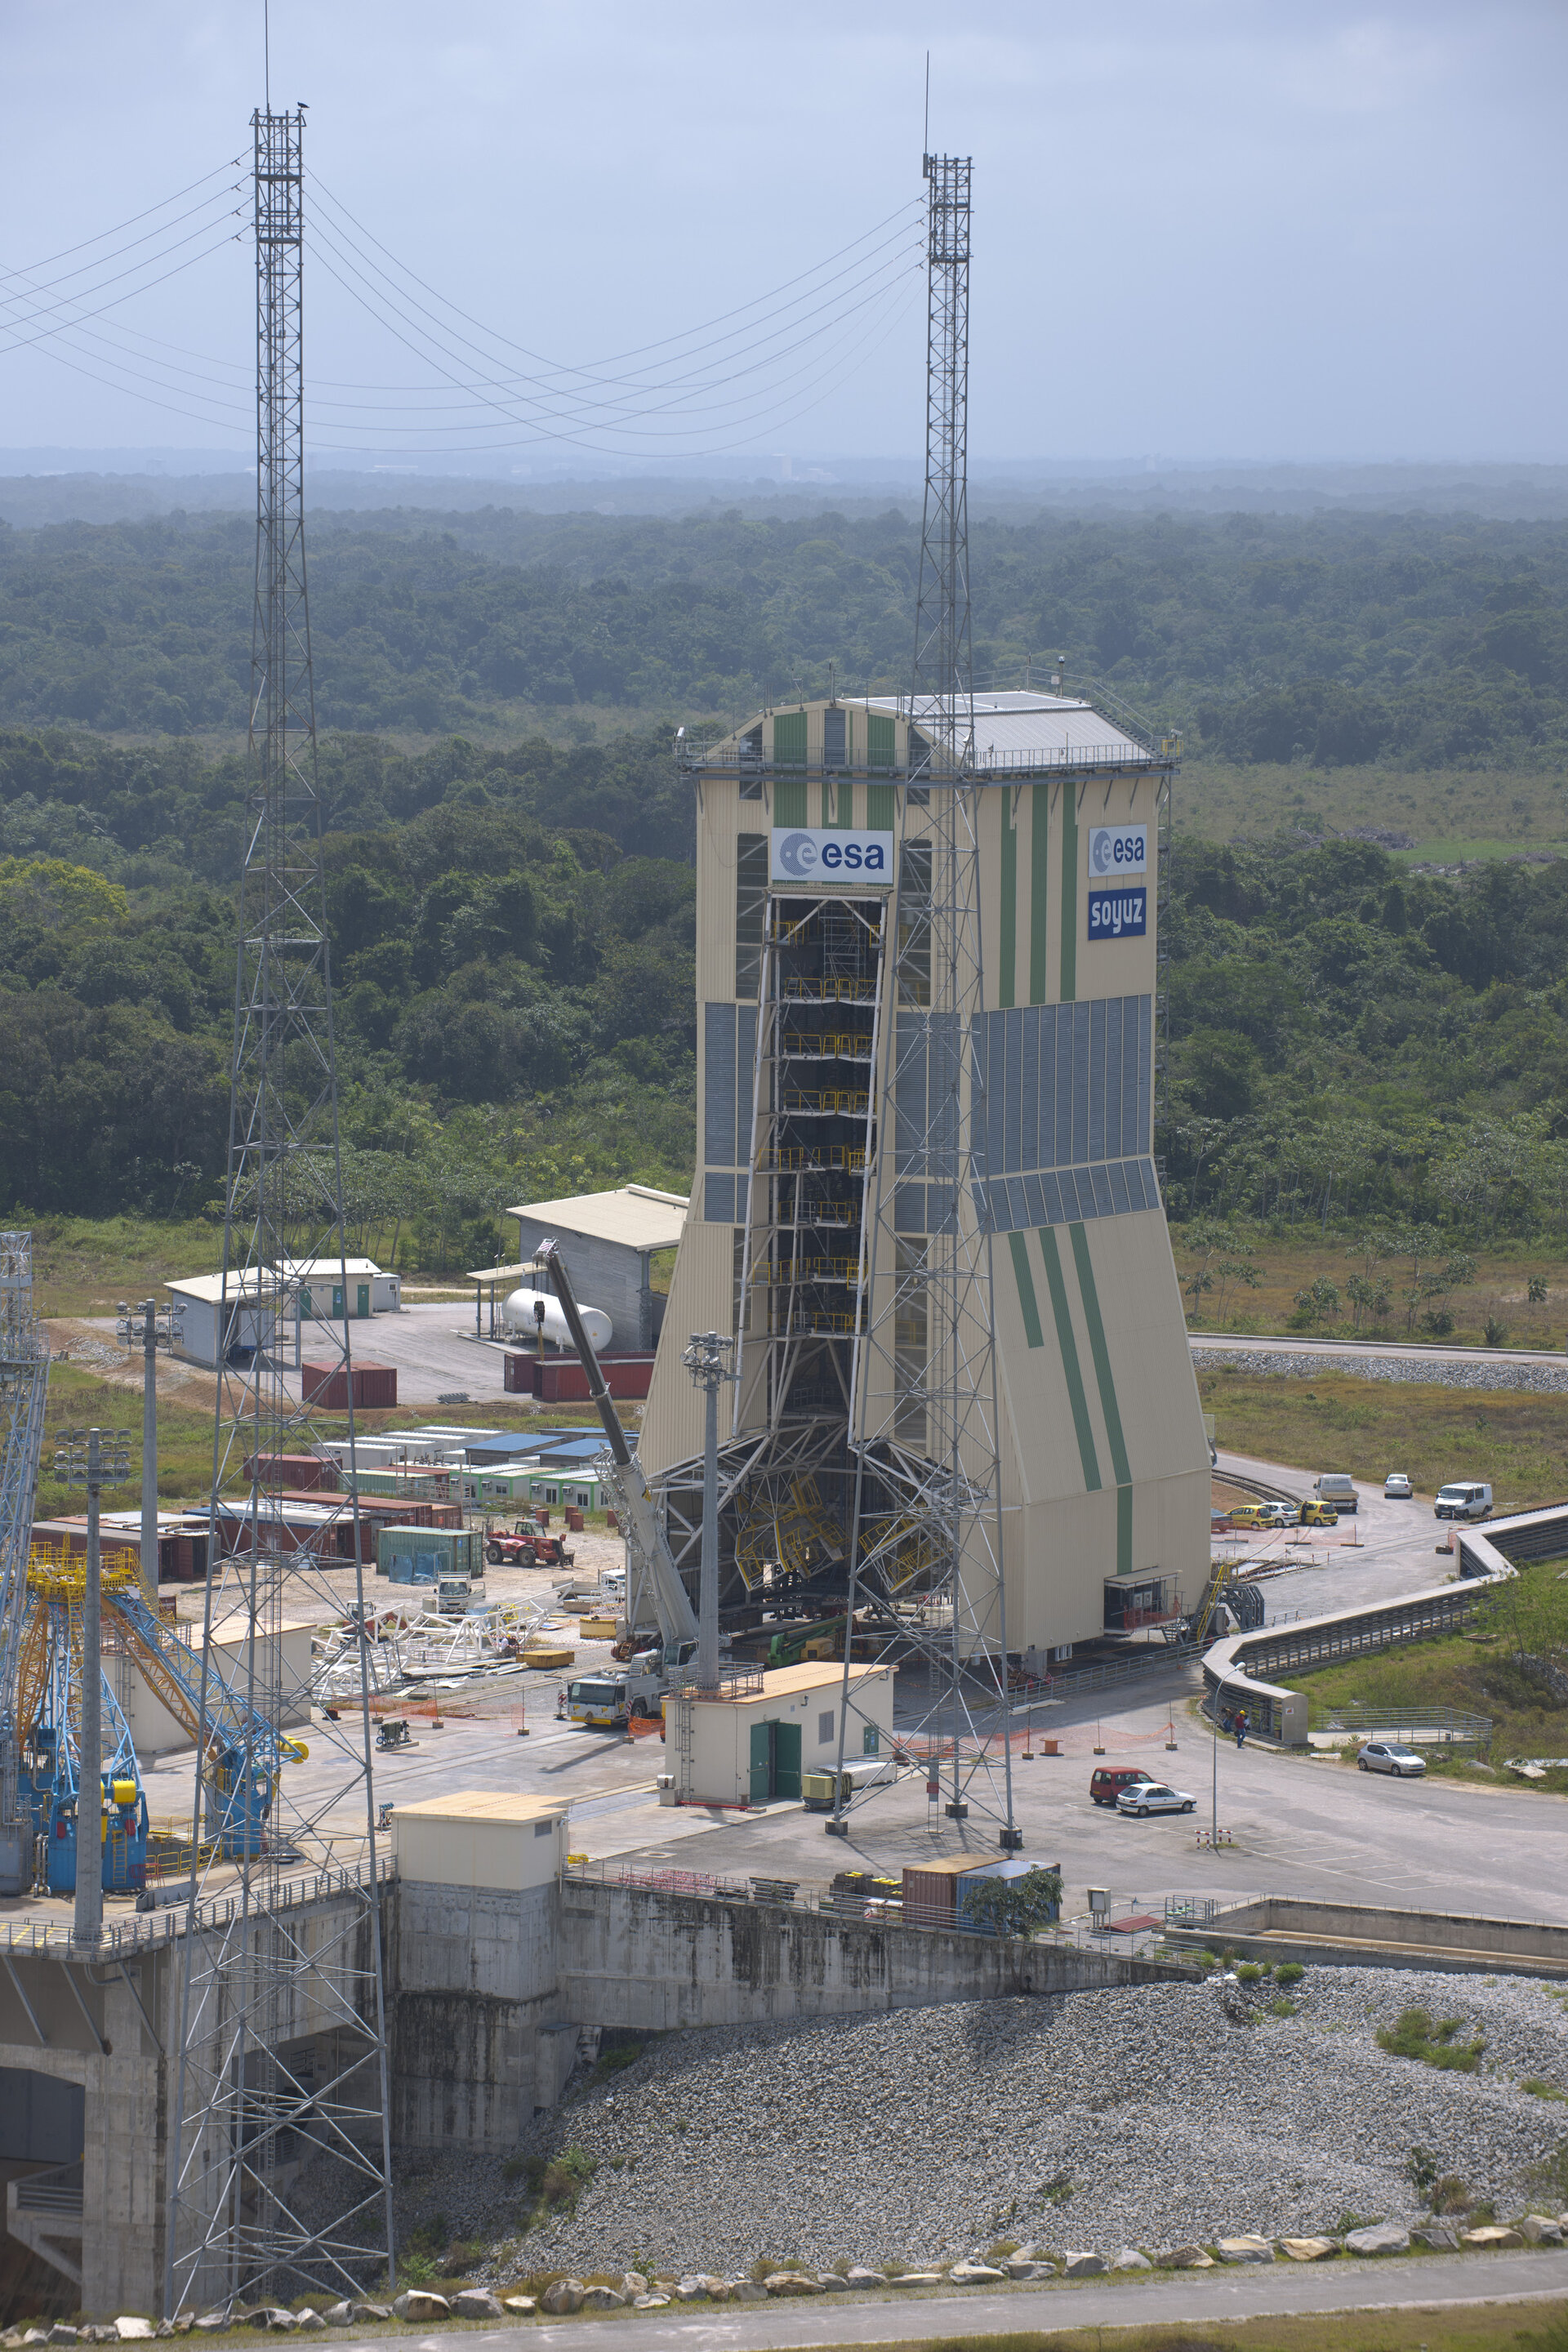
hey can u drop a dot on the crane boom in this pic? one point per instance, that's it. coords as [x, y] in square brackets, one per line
[672, 1605]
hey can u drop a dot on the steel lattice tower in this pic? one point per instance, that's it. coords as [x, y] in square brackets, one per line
[24, 1380]
[927, 1536]
[282, 2068]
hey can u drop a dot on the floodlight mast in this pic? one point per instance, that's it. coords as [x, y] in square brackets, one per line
[282, 2057]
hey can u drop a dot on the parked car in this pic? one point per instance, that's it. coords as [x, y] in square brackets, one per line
[1392, 1756]
[1154, 1797]
[1279, 1515]
[1396, 1488]
[1334, 1487]
[1319, 1515]
[1107, 1781]
[1466, 1498]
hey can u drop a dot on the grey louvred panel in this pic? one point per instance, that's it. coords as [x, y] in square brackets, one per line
[719, 1085]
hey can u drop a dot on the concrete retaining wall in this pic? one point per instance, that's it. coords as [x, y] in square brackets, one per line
[1277, 1927]
[631, 1958]
[472, 1978]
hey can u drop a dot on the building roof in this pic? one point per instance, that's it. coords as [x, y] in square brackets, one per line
[577, 1450]
[482, 1805]
[305, 1269]
[506, 1273]
[636, 1216]
[1030, 731]
[239, 1286]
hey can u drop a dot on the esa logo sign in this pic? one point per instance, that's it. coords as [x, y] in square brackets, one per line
[1115, 850]
[808, 858]
[1118, 914]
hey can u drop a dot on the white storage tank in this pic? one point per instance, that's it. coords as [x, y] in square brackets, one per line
[519, 1314]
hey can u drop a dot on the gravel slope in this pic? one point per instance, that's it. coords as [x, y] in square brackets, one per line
[931, 2132]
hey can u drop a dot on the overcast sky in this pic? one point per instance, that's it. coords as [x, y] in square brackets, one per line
[1201, 227]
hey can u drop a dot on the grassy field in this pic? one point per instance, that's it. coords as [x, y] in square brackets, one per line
[1449, 814]
[85, 1265]
[1285, 1264]
[1369, 1427]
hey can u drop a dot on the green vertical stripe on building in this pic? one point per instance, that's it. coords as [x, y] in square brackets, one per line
[789, 801]
[1069, 894]
[1039, 871]
[789, 736]
[1026, 1298]
[1056, 1284]
[1122, 1468]
[882, 808]
[1124, 1531]
[1008, 957]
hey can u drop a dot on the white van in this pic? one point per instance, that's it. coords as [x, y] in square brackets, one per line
[1467, 1498]
[1334, 1487]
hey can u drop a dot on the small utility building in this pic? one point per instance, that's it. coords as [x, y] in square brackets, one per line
[752, 1744]
[221, 1316]
[328, 1289]
[608, 1242]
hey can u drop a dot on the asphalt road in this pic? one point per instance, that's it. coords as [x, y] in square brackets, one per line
[1141, 2300]
[1386, 1550]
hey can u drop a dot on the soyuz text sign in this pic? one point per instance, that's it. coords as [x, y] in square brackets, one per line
[808, 857]
[1118, 914]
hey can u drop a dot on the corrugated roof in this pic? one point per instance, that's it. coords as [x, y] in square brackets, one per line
[636, 1216]
[240, 1287]
[304, 1268]
[1020, 731]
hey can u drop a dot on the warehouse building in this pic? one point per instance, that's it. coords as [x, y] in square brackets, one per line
[609, 1243]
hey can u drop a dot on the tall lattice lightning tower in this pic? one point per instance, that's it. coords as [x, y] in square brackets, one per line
[926, 1429]
[23, 1380]
[280, 2168]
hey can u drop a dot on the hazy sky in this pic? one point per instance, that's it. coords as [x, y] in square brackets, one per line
[1201, 227]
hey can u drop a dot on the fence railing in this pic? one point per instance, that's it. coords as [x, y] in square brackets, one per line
[59, 2192]
[145, 1930]
[1099, 1932]
[1420, 1727]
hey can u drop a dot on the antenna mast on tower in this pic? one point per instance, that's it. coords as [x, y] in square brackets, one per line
[928, 1542]
[283, 2065]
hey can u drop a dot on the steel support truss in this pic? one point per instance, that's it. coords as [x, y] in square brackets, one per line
[280, 2173]
[24, 1380]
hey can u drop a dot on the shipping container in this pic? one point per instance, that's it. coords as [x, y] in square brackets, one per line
[375, 1387]
[561, 1379]
[1011, 1866]
[928, 1889]
[300, 1473]
[325, 1386]
[413, 1554]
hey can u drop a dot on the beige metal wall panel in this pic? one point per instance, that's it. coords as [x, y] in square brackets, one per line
[1146, 1334]
[480, 1838]
[701, 1299]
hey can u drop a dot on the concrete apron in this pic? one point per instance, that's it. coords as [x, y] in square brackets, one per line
[1362, 1936]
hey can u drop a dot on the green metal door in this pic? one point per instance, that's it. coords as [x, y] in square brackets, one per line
[786, 1759]
[762, 1762]
[362, 1298]
[870, 1741]
[305, 1306]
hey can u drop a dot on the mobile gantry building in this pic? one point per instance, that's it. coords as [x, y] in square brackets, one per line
[823, 1056]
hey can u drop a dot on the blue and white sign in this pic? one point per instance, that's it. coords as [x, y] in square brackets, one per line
[1118, 914]
[808, 857]
[1115, 850]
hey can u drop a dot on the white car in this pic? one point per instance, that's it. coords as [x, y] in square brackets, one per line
[1154, 1797]
[1397, 1488]
[1392, 1756]
[1279, 1515]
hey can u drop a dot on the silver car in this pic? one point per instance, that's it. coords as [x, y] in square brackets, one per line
[1154, 1797]
[1396, 1488]
[1392, 1756]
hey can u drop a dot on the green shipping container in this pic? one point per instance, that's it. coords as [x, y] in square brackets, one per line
[428, 1555]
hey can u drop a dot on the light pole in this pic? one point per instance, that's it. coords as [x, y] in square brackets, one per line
[707, 1361]
[141, 1322]
[93, 1458]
